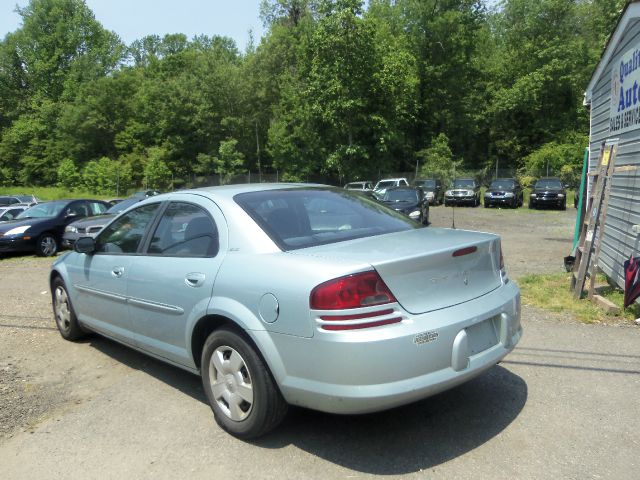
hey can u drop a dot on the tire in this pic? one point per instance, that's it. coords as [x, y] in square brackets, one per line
[47, 245]
[232, 370]
[531, 205]
[63, 312]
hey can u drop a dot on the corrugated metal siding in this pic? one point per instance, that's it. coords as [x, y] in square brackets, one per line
[619, 242]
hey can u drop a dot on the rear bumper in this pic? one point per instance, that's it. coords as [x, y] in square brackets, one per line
[548, 202]
[490, 201]
[367, 371]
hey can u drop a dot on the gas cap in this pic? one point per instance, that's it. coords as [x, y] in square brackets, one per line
[269, 309]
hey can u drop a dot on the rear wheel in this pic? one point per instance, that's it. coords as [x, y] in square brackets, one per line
[66, 319]
[241, 391]
[47, 245]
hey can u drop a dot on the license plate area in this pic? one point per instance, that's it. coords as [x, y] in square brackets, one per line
[483, 335]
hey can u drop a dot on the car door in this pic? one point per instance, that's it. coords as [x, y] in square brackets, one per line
[171, 285]
[100, 278]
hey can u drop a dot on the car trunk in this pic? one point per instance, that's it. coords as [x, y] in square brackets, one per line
[425, 269]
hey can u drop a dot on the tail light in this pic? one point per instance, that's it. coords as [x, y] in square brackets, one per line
[361, 290]
[353, 291]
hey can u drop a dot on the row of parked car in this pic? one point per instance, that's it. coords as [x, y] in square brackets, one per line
[502, 192]
[46, 227]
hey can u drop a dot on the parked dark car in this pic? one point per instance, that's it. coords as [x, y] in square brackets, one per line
[6, 200]
[408, 200]
[504, 192]
[463, 191]
[548, 192]
[90, 226]
[40, 227]
[432, 189]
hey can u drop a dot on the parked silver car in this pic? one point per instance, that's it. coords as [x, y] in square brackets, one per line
[292, 295]
[90, 226]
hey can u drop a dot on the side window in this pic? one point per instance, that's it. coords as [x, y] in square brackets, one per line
[124, 235]
[97, 208]
[77, 209]
[403, 182]
[185, 230]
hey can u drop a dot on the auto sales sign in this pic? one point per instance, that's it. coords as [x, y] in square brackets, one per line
[625, 93]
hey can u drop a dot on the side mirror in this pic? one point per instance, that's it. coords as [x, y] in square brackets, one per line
[85, 245]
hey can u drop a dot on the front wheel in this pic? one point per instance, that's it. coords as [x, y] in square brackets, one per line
[47, 245]
[240, 389]
[66, 319]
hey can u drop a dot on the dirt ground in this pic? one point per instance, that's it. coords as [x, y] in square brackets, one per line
[556, 408]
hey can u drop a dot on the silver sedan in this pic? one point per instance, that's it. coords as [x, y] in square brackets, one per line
[287, 294]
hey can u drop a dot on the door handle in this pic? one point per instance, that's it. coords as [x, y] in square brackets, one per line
[194, 279]
[117, 271]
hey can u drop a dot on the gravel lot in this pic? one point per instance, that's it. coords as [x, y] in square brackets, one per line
[563, 405]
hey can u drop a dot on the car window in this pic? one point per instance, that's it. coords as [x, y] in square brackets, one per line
[44, 210]
[301, 217]
[464, 183]
[97, 208]
[403, 182]
[386, 184]
[548, 183]
[502, 184]
[401, 195]
[78, 209]
[185, 230]
[124, 235]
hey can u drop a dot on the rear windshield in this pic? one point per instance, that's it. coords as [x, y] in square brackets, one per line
[426, 183]
[502, 184]
[464, 183]
[401, 195]
[301, 217]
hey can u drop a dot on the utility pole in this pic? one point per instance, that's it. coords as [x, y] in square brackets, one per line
[258, 153]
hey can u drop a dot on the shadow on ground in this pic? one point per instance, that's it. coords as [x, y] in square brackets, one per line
[407, 439]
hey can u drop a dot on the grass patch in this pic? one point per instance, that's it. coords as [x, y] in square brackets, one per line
[553, 293]
[51, 193]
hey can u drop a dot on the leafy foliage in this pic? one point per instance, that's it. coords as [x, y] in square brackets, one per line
[339, 88]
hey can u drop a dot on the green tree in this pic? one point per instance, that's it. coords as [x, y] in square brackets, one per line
[156, 172]
[68, 175]
[229, 161]
[437, 160]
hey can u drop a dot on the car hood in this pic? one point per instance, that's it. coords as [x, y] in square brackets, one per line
[11, 224]
[93, 221]
[419, 266]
